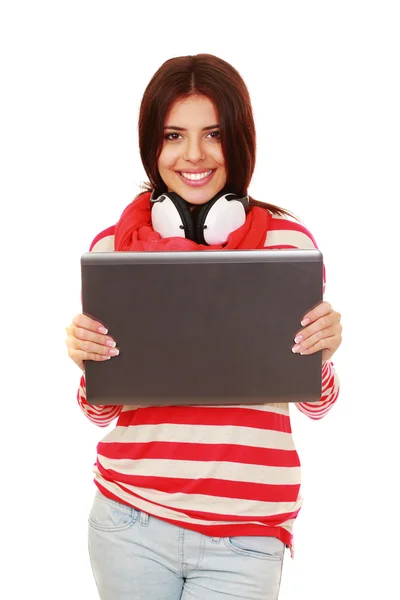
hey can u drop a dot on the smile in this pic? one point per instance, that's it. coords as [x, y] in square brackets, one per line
[196, 179]
[196, 176]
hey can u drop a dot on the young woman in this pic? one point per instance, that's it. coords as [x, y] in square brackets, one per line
[197, 502]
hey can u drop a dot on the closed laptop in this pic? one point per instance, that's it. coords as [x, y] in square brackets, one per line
[210, 327]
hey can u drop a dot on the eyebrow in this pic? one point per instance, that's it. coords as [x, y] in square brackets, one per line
[183, 129]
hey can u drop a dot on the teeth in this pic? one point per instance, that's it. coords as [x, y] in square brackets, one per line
[196, 176]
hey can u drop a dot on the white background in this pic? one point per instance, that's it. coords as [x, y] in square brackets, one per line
[324, 81]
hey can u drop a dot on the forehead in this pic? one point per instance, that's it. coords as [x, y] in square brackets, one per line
[193, 112]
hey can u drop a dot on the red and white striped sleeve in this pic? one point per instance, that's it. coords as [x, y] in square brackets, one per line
[287, 233]
[329, 394]
[100, 415]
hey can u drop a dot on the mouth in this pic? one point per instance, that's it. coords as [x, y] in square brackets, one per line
[196, 179]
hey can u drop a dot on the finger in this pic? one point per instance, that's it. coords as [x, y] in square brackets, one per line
[87, 335]
[325, 344]
[329, 320]
[87, 322]
[323, 308]
[331, 343]
[80, 356]
[89, 346]
[329, 332]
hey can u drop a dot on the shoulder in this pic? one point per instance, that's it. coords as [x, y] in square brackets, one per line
[104, 241]
[286, 232]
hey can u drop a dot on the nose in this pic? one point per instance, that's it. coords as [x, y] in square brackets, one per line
[194, 151]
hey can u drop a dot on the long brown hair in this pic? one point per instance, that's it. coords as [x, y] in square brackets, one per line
[206, 75]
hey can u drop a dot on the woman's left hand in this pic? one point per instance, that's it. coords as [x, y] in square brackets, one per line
[322, 330]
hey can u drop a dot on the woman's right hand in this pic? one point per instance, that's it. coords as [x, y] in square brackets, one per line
[87, 339]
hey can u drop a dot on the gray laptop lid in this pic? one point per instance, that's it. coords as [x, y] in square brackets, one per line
[211, 327]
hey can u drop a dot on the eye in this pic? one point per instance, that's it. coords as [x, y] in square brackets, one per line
[168, 136]
[215, 135]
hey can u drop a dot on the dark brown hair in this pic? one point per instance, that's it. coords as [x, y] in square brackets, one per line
[204, 75]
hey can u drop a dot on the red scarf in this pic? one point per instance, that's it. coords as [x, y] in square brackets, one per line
[134, 231]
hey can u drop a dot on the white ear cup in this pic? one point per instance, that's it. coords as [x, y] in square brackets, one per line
[166, 219]
[223, 217]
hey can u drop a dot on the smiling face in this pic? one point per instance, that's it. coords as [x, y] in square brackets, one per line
[191, 162]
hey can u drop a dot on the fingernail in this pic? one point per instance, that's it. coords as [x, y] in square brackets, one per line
[298, 339]
[113, 352]
[305, 321]
[296, 348]
[103, 330]
[111, 343]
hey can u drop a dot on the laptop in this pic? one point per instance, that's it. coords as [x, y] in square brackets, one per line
[196, 328]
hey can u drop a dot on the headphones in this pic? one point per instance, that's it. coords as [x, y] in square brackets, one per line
[209, 223]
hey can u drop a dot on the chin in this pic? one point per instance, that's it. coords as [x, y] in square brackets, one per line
[198, 196]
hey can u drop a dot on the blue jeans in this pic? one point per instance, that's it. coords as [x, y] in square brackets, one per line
[135, 556]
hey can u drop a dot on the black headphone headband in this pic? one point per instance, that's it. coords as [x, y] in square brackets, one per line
[229, 195]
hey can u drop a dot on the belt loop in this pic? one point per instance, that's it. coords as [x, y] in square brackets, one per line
[144, 519]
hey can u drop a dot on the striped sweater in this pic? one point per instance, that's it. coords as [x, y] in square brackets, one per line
[221, 471]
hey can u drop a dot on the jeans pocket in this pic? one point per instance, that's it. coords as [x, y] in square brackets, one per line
[109, 515]
[262, 547]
